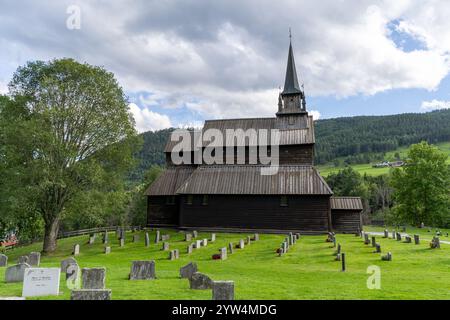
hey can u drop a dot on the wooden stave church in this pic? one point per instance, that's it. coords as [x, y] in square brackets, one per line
[236, 197]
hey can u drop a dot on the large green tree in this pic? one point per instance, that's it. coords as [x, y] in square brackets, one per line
[65, 140]
[422, 186]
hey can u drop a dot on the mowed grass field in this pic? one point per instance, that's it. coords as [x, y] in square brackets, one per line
[329, 168]
[307, 271]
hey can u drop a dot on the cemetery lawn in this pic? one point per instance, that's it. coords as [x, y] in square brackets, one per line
[307, 271]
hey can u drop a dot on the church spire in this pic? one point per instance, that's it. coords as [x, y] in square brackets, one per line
[291, 85]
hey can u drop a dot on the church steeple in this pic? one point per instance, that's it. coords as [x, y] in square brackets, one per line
[293, 97]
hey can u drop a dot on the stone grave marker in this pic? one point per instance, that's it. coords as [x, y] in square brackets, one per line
[435, 243]
[198, 244]
[338, 249]
[374, 241]
[143, 270]
[343, 261]
[189, 248]
[249, 240]
[256, 237]
[386, 233]
[16, 273]
[66, 262]
[187, 237]
[230, 248]
[285, 246]
[23, 259]
[188, 270]
[177, 253]
[3, 260]
[377, 248]
[165, 246]
[121, 242]
[338, 257]
[39, 282]
[107, 250]
[394, 234]
[91, 240]
[408, 239]
[241, 244]
[205, 242]
[387, 257]
[223, 290]
[223, 254]
[366, 239]
[147, 240]
[213, 237]
[157, 236]
[165, 237]
[105, 237]
[200, 281]
[76, 250]
[135, 238]
[195, 234]
[416, 239]
[93, 295]
[34, 259]
[399, 236]
[172, 255]
[93, 278]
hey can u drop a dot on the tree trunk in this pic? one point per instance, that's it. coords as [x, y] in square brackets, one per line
[51, 235]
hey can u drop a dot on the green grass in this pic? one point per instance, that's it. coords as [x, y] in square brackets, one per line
[307, 271]
[329, 168]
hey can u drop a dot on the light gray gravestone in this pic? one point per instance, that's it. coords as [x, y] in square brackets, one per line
[147, 240]
[200, 281]
[135, 238]
[34, 259]
[416, 239]
[188, 270]
[39, 282]
[66, 262]
[143, 270]
[166, 246]
[121, 242]
[249, 240]
[198, 244]
[93, 278]
[3, 260]
[165, 237]
[76, 250]
[187, 237]
[172, 255]
[256, 237]
[241, 244]
[16, 273]
[99, 294]
[107, 250]
[157, 236]
[230, 248]
[177, 254]
[386, 233]
[223, 290]
[195, 234]
[205, 242]
[105, 237]
[91, 240]
[338, 257]
[23, 259]
[213, 237]
[285, 247]
[189, 248]
[223, 254]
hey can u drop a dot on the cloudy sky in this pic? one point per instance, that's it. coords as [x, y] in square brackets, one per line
[181, 62]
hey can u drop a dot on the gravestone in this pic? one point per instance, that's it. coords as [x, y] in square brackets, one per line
[142, 270]
[399, 236]
[107, 250]
[39, 282]
[205, 242]
[198, 244]
[338, 249]
[172, 255]
[285, 246]
[65, 263]
[121, 242]
[165, 237]
[366, 239]
[195, 234]
[200, 281]
[435, 243]
[188, 270]
[105, 237]
[187, 237]
[394, 235]
[387, 257]
[374, 242]
[249, 240]
[343, 261]
[72, 272]
[334, 242]
[338, 257]
[223, 290]
[165, 246]
[34, 259]
[147, 240]
[377, 248]
[177, 253]
[408, 239]
[230, 248]
[135, 238]
[3, 260]
[23, 259]
[256, 237]
[189, 248]
[91, 240]
[287, 242]
[93, 295]
[213, 237]
[223, 254]
[241, 244]
[386, 233]
[157, 236]
[76, 250]
[93, 278]
[416, 239]
[16, 273]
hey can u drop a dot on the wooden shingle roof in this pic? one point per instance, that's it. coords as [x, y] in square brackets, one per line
[235, 179]
[346, 203]
[169, 181]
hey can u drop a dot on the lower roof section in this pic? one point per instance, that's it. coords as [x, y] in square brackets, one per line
[346, 203]
[169, 181]
[249, 179]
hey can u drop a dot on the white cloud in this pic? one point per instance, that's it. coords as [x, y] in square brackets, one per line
[3, 87]
[147, 120]
[315, 114]
[435, 105]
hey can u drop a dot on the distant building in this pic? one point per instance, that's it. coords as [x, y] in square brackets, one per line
[237, 197]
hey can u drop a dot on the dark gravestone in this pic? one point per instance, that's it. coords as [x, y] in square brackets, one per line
[378, 248]
[16, 273]
[34, 259]
[416, 239]
[98, 295]
[343, 261]
[387, 257]
[374, 241]
[386, 233]
[399, 236]
[23, 259]
[93, 278]
[147, 240]
[3, 260]
[142, 270]
[188, 270]
[223, 290]
[200, 281]
[435, 243]
[65, 263]
[230, 248]
[408, 239]
[338, 251]
[394, 235]
[366, 239]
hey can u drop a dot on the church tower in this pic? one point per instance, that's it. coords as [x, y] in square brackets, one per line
[292, 99]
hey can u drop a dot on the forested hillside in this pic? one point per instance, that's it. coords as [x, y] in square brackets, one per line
[357, 139]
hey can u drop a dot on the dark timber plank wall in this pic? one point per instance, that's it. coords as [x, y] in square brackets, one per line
[161, 214]
[297, 154]
[346, 221]
[308, 213]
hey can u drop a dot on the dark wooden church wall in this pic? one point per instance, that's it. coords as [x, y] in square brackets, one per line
[161, 213]
[297, 154]
[346, 221]
[308, 213]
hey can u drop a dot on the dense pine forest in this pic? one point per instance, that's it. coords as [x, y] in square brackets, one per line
[356, 139]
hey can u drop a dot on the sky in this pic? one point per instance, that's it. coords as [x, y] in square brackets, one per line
[181, 62]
